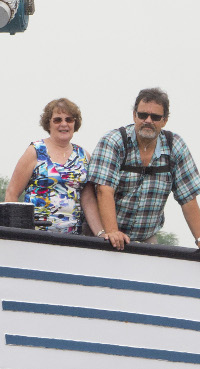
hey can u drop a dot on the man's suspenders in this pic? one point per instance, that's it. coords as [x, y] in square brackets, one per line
[145, 170]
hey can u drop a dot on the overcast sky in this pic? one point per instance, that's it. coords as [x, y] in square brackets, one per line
[99, 54]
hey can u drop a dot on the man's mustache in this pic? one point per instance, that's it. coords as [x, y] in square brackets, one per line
[147, 125]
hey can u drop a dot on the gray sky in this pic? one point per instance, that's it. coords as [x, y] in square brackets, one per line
[99, 54]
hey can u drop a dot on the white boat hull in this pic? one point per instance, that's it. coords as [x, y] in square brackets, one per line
[85, 308]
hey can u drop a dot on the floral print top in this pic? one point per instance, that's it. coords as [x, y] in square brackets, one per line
[55, 189]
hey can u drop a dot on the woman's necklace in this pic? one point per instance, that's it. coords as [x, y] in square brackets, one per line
[66, 153]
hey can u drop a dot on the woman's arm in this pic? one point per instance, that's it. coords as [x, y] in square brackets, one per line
[21, 175]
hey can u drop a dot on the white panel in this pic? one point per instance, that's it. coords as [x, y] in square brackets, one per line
[100, 331]
[100, 298]
[37, 358]
[117, 265]
[100, 263]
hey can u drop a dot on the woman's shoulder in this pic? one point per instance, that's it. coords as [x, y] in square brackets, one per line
[38, 143]
[78, 148]
[82, 153]
[40, 148]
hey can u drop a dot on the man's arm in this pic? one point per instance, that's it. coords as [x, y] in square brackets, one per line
[191, 213]
[106, 204]
[90, 209]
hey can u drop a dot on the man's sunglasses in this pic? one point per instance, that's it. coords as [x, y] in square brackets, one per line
[67, 119]
[144, 116]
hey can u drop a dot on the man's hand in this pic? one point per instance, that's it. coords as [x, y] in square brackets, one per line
[117, 239]
[106, 203]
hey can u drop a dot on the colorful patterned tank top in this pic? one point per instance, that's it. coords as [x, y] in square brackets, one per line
[55, 189]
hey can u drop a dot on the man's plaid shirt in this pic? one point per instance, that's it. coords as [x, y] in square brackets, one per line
[140, 199]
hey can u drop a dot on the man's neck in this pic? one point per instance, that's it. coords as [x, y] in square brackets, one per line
[147, 144]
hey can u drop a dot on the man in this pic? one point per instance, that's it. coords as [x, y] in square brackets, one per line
[132, 198]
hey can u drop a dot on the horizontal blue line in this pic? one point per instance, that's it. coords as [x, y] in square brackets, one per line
[80, 312]
[173, 356]
[119, 284]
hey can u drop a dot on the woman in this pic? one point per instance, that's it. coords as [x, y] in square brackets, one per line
[53, 172]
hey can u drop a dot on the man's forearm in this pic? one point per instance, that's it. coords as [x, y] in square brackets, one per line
[106, 204]
[90, 208]
[191, 213]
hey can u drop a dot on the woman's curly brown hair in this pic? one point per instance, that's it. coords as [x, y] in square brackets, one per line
[63, 105]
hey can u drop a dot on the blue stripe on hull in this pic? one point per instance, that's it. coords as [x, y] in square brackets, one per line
[82, 280]
[100, 314]
[173, 356]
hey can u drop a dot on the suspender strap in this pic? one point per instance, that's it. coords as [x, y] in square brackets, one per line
[145, 170]
[124, 138]
[169, 137]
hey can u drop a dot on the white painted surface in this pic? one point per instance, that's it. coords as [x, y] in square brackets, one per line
[99, 263]
[100, 298]
[51, 359]
[100, 331]
[61, 259]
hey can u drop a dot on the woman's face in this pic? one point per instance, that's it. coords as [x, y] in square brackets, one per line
[61, 125]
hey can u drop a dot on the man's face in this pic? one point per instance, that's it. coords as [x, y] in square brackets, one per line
[149, 126]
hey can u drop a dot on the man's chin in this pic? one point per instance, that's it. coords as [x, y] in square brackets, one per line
[145, 134]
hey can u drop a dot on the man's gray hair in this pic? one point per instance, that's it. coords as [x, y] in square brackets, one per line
[153, 94]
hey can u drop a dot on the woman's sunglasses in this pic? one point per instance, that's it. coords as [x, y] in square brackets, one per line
[67, 119]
